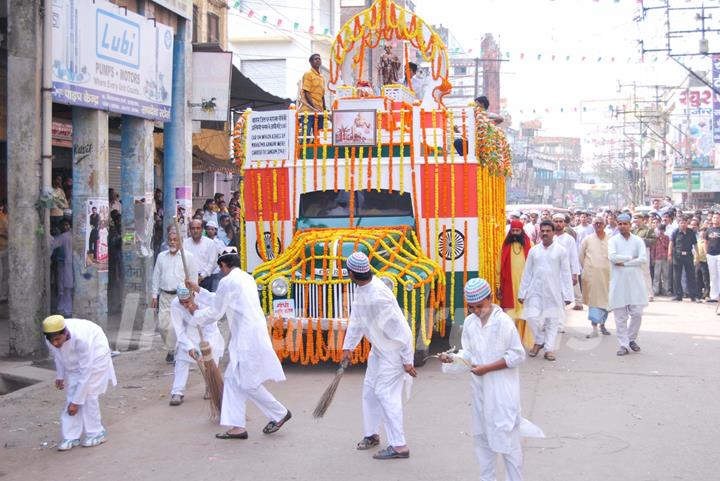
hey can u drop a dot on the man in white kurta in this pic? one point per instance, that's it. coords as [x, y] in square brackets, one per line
[252, 358]
[571, 247]
[376, 315]
[545, 290]
[167, 275]
[628, 296]
[83, 368]
[188, 338]
[205, 251]
[492, 352]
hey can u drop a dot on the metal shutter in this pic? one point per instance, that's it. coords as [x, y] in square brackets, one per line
[268, 74]
[114, 164]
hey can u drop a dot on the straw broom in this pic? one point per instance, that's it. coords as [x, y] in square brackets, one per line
[210, 371]
[327, 397]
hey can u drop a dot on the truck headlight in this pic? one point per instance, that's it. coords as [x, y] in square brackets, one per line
[388, 281]
[279, 287]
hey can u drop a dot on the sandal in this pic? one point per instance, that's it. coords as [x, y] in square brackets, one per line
[550, 356]
[535, 350]
[273, 426]
[368, 442]
[229, 435]
[390, 453]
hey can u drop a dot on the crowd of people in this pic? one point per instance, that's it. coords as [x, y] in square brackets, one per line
[611, 261]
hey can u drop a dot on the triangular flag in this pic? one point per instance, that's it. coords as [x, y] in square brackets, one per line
[296, 26]
[264, 18]
[311, 29]
[326, 31]
[539, 56]
[279, 22]
[251, 13]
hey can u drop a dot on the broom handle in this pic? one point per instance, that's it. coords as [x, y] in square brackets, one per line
[185, 267]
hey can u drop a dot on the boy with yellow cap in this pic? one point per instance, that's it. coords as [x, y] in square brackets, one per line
[84, 368]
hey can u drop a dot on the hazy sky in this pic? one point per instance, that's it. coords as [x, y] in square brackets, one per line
[575, 28]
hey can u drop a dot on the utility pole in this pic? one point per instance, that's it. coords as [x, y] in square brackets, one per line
[688, 152]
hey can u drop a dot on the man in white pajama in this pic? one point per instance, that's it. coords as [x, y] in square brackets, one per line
[252, 358]
[571, 247]
[376, 315]
[84, 368]
[188, 338]
[492, 352]
[628, 295]
[545, 289]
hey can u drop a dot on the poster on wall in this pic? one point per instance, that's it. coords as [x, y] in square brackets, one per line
[183, 208]
[108, 58]
[96, 233]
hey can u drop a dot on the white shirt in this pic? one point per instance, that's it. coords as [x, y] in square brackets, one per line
[583, 232]
[205, 253]
[627, 282]
[546, 282]
[84, 361]
[252, 357]
[169, 272]
[529, 229]
[186, 331]
[376, 315]
[570, 246]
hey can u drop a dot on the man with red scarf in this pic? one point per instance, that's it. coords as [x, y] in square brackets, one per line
[514, 252]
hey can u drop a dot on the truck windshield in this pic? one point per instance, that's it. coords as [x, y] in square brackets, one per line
[323, 204]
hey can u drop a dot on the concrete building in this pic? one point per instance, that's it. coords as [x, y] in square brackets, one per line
[272, 43]
[112, 89]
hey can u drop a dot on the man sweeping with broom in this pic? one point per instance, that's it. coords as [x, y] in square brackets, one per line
[376, 315]
[188, 339]
[252, 358]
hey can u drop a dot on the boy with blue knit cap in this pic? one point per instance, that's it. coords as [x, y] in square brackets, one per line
[492, 352]
[376, 315]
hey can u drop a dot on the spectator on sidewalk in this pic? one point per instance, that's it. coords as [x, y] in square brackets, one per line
[4, 268]
[61, 247]
[682, 243]
[205, 252]
[661, 277]
[60, 203]
[712, 244]
[702, 272]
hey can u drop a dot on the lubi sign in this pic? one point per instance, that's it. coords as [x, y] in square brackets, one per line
[118, 39]
[107, 58]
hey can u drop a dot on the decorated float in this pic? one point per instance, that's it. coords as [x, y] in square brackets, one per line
[417, 186]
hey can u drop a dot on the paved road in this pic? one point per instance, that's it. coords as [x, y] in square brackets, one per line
[648, 416]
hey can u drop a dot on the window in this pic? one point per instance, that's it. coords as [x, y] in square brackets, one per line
[326, 204]
[213, 28]
[461, 70]
[195, 24]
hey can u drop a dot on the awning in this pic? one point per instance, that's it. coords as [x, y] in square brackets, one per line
[245, 93]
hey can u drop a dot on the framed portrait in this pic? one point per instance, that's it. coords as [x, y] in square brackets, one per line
[354, 128]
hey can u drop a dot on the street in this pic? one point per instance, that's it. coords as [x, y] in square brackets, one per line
[647, 416]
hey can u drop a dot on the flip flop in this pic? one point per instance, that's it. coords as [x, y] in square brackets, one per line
[535, 350]
[367, 443]
[273, 426]
[229, 435]
[390, 453]
[550, 356]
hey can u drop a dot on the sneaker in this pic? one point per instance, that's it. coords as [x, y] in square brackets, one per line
[68, 444]
[623, 351]
[170, 358]
[634, 346]
[176, 399]
[93, 441]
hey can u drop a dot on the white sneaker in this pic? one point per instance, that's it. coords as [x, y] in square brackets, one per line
[68, 444]
[93, 441]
